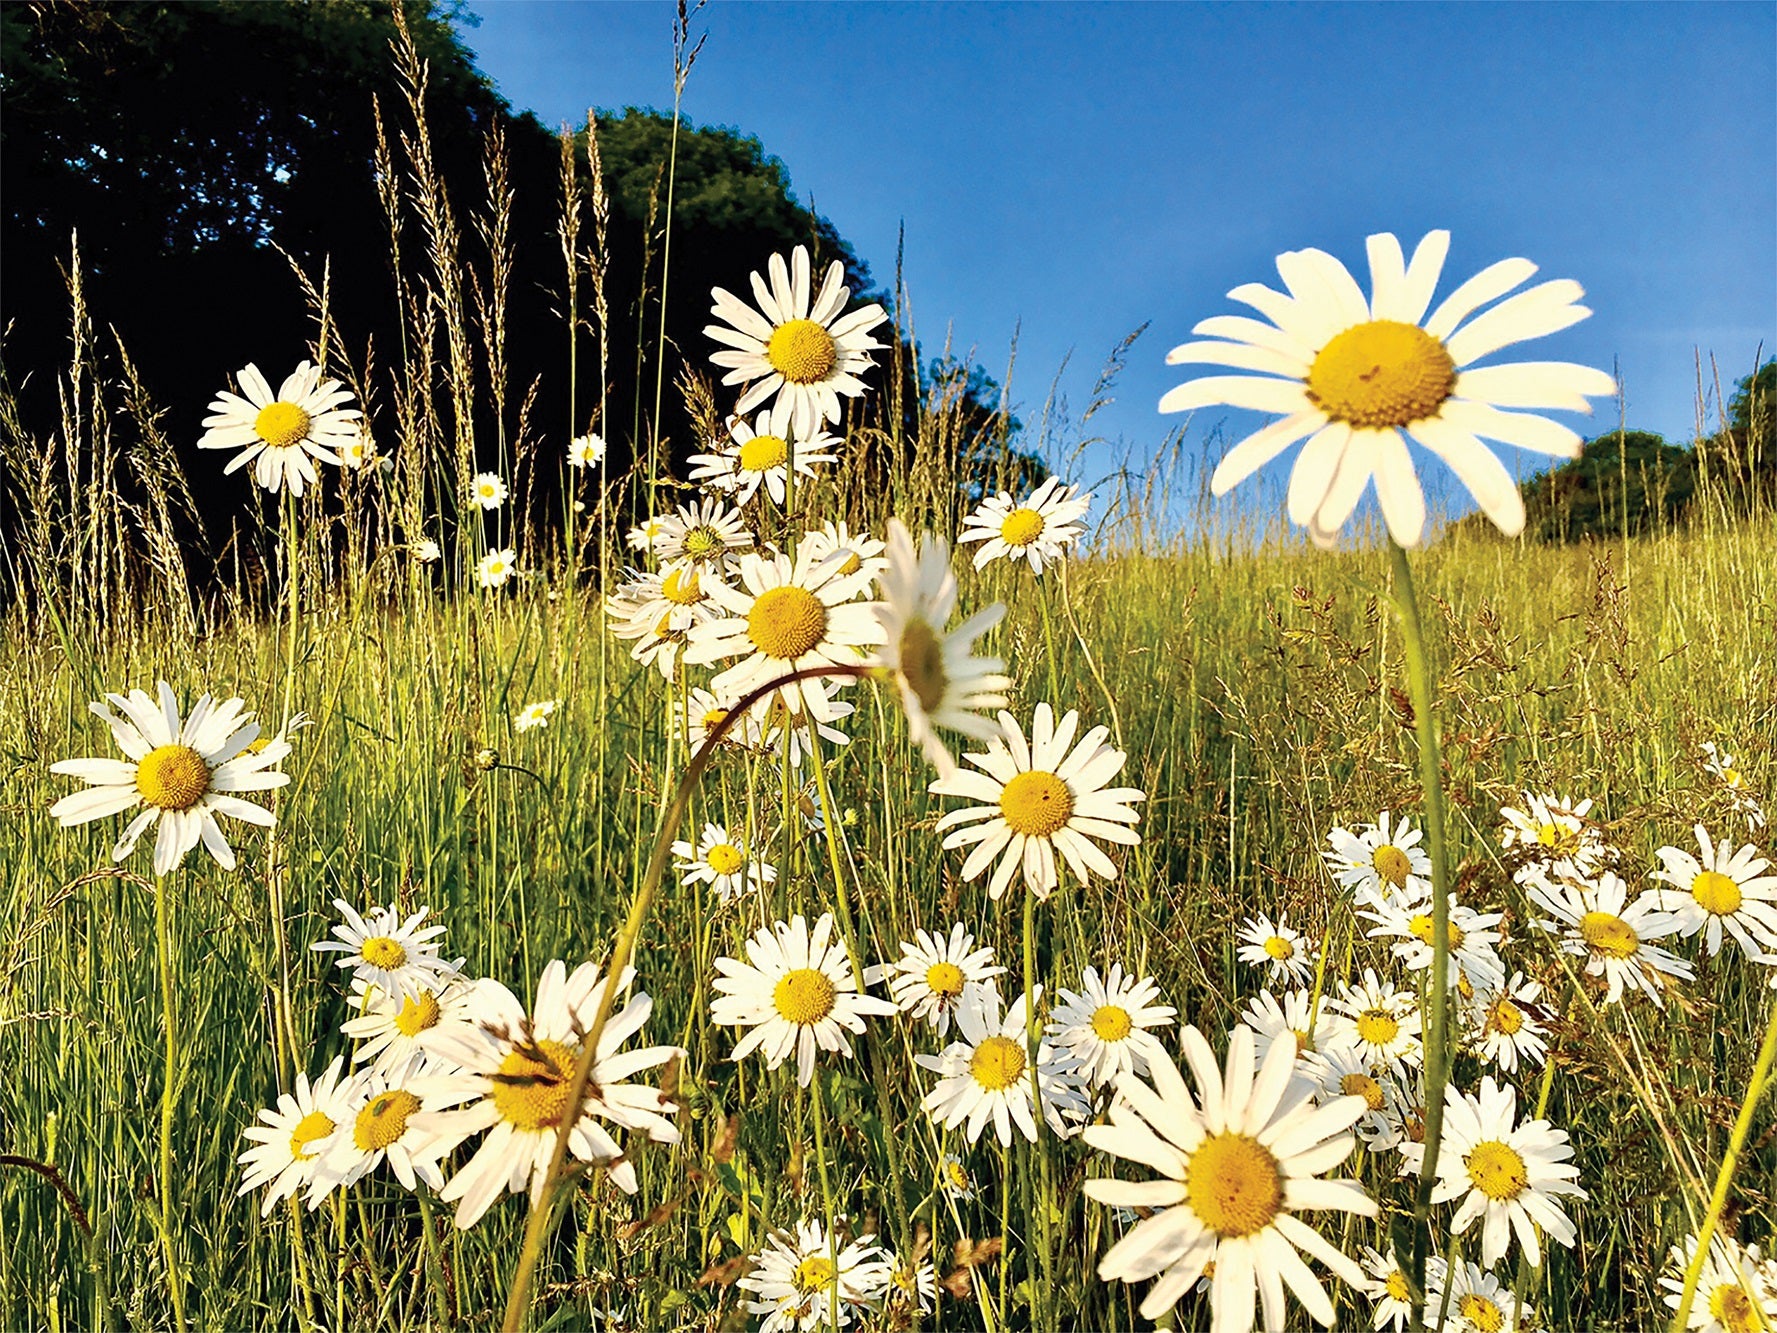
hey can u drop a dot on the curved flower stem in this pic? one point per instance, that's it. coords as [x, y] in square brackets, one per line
[518, 1295]
[1755, 1089]
[168, 1101]
[1437, 1035]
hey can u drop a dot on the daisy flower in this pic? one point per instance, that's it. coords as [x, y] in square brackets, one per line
[1553, 828]
[360, 451]
[285, 1157]
[708, 534]
[953, 1175]
[496, 568]
[1353, 377]
[1725, 889]
[796, 1276]
[487, 490]
[393, 1030]
[181, 773]
[657, 611]
[757, 456]
[282, 434]
[985, 1076]
[426, 551]
[1297, 1016]
[910, 1286]
[1105, 1027]
[1392, 1290]
[1345, 1071]
[1472, 937]
[644, 535]
[1380, 1021]
[781, 726]
[586, 450]
[1035, 530]
[377, 1127]
[1236, 1165]
[796, 992]
[786, 617]
[1476, 1301]
[1720, 764]
[941, 684]
[1736, 1290]
[1380, 860]
[1596, 922]
[532, 716]
[801, 353]
[1504, 1025]
[517, 1075]
[722, 862]
[929, 978]
[1038, 799]
[702, 711]
[863, 553]
[398, 957]
[1288, 954]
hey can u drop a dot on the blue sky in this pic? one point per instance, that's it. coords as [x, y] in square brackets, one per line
[1078, 169]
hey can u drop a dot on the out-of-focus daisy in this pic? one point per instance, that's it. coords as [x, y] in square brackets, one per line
[911, 1286]
[941, 684]
[496, 568]
[985, 1076]
[360, 451]
[1553, 828]
[586, 450]
[1736, 1289]
[1236, 1165]
[786, 617]
[953, 1175]
[657, 611]
[709, 534]
[801, 353]
[1720, 764]
[1725, 889]
[1380, 861]
[1391, 1289]
[1473, 939]
[796, 992]
[1105, 1025]
[1508, 1176]
[1475, 1301]
[393, 1029]
[1504, 1026]
[1379, 1020]
[698, 715]
[287, 1136]
[426, 551]
[644, 535]
[796, 1277]
[377, 1127]
[1306, 1023]
[1035, 530]
[782, 727]
[516, 1077]
[1596, 921]
[532, 716]
[1038, 799]
[181, 773]
[398, 957]
[929, 978]
[756, 456]
[1287, 954]
[487, 490]
[722, 861]
[863, 553]
[282, 434]
[1351, 376]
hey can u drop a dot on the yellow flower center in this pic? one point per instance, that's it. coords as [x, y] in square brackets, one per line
[1382, 373]
[1497, 1170]
[958, 1176]
[1280, 948]
[922, 664]
[1716, 893]
[531, 1086]
[814, 1275]
[1111, 1022]
[1732, 777]
[725, 858]
[1421, 929]
[383, 1120]
[1036, 804]
[1506, 1017]
[786, 622]
[1378, 1027]
[763, 452]
[1609, 935]
[1362, 1085]
[1480, 1314]
[417, 1015]
[381, 951]
[281, 424]
[1732, 1308]
[680, 587]
[172, 777]
[802, 351]
[1392, 864]
[1021, 527]
[1396, 1283]
[1559, 839]
[945, 979]
[702, 542]
[805, 995]
[852, 563]
[312, 1126]
[998, 1063]
[1233, 1184]
[712, 718]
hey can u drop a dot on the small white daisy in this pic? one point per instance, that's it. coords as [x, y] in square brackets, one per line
[1287, 954]
[796, 992]
[1726, 889]
[487, 490]
[1035, 530]
[722, 861]
[1736, 1288]
[929, 978]
[911, 1287]
[1106, 1026]
[1553, 828]
[756, 456]
[1307, 1024]
[985, 1076]
[1380, 860]
[282, 434]
[532, 716]
[646, 534]
[1504, 1025]
[393, 1029]
[864, 554]
[1596, 922]
[496, 568]
[698, 714]
[1392, 1290]
[780, 726]
[586, 450]
[796, 1276]
[658, 611]
[398, 957]
[427, 551]
[953, 1175]
[1346, 1071]
[1475, 1301]
[1380, 1021]
[377, 1127]
[1472, 938]
[288, 1135]
[1720, 764]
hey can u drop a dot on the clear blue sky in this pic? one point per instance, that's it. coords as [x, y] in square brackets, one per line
[1082, 168]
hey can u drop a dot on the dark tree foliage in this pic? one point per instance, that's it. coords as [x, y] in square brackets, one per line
[1629, 477]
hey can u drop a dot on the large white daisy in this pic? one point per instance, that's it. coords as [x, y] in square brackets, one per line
[1596, 921]
[985, 1076]
[929, 978]
[1352, 375]
[1105, 1026]
[756, 456]
[1235, 1168]
[282, 434]
[1727, 888]
[801, 353]
[182, 774]
[378, 1127]
[1040, 798]
[1037, 530]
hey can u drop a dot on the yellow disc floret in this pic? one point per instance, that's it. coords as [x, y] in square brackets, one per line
[1021, 527]
[814, 1275]
[1420, 927]
[1559, 839]
[1276, 946]
[763, 452]
[680, 587]
[725, 858]
[531, 1085]
[1506, 1017]
[805, 995]
[945, 980]
[1381, 373]
[281, 424]
[311, 1127]
[1609, 935]
[384, 952]
[1732, 1308]
[1480, 1314]
[1036, 804]
[786, 622]
[1362, 1085]
[1233, 1184]
[1392, 864]
[922, 664]
[1378, 1027]
[1111, 1022]
[1497, 1170]
[998, 1063]
[802, 351]
[1396, 1282]
[1716, 893]
[417, 1015]
[172, 777]
[383, 1120]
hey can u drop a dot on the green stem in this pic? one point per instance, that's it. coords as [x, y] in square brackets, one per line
[1033, 1037]
[820, 1157]
[1755, 1089]
[168, 1101]
[1437, 1036]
